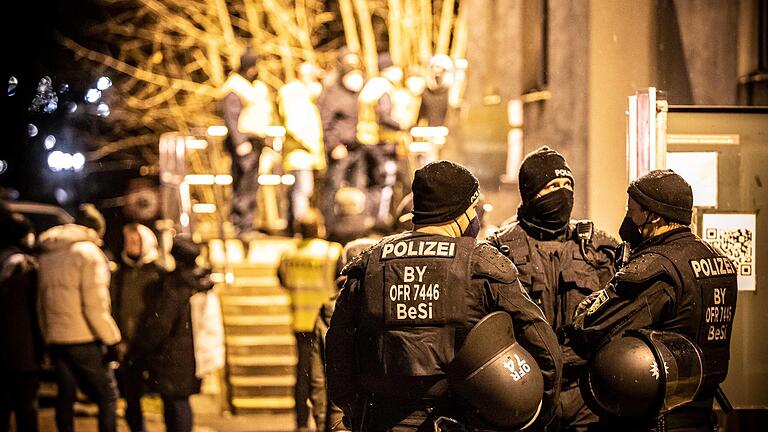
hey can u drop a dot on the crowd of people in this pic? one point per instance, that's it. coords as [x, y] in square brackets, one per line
[109, 329]
[547, 323]
[342, 130]
[443, 326]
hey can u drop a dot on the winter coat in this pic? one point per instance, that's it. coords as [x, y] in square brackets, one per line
[20, 339]
[134, 282]
[163, 342]
[338, 111]
[73, 282]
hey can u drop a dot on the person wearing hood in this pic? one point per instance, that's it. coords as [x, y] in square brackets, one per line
[163, 342]
[21, 344]
[75, 316]
[137, 279]
[247, 109]
[557, 267]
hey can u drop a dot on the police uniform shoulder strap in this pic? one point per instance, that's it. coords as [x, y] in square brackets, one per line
[489, 262]
[511, 240]
[356, 267]
[644, 268]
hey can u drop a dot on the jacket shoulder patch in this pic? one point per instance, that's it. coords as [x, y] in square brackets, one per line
[489, 262]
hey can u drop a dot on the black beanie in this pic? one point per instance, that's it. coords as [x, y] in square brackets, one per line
[89, 216]
[442, 191]
[664, 193]
[185, 251]
[539, 168]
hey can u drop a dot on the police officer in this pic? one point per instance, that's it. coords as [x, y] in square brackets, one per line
[308, 273]
[409, 303]
[557, 266]
[672, 282]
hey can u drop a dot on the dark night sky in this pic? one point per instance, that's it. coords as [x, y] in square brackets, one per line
[32, 52]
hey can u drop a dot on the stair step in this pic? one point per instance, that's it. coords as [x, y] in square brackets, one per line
[263, 381]
[255, 281]
[272, 391]
[257, 320]
[264, 402]
[287, 350]
[263, 360]
[262, 370]
[258, 300]
[261, 340]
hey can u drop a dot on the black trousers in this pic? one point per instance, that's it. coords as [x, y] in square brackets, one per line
[302, 389]
[131, 380]
[177, 413]
[245, 186]
[18, 395]
[82, 365]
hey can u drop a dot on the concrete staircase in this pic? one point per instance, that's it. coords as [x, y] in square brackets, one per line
[261, 349]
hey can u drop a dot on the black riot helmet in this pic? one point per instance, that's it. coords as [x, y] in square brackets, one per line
[496, 376]
[642, 373]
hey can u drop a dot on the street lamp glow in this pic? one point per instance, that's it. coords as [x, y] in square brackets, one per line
[92, 95]
[78, 161]
[55, 160]
[49, 142]
[102, 110]
[103, 83]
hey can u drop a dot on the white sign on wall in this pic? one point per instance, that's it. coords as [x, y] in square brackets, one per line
[734, 235]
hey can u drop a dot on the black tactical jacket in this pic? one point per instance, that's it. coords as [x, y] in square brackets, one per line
[369, 352]
[673, 282]
[554, 272]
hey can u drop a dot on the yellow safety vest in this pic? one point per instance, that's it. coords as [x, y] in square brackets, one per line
[309, 275]
[304, 147]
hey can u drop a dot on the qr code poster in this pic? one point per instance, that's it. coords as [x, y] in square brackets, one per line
[734, 235]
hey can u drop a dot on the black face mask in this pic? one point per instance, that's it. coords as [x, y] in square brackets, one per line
[632, 233]
[473, 229]
[551, 211]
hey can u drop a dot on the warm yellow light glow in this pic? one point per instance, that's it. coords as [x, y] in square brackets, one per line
[223, 179]
[204, 208]
[269, 180]
[429, 131]
[218, 131]
[199, 179]
[196, 144]
[288, 179]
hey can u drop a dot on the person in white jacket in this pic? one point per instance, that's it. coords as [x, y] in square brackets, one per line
[75, 317]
